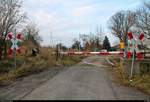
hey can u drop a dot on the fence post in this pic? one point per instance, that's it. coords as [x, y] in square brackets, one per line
[57, 52]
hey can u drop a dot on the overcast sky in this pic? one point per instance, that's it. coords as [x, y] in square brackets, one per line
[67, 18]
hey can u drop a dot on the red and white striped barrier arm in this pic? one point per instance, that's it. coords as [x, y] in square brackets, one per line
[139, 54]
[91, 53]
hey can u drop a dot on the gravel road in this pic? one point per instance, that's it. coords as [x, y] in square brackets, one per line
[84, 82]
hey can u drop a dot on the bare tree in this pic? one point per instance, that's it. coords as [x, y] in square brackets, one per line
[32, 34]
[115, 24]
[76, 45]
[92, 41]
[84, 38]
[121, 23]
[99, 34]
[10, 17]
[143, 22]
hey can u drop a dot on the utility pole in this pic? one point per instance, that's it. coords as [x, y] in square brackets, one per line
[51, 39]
[79, 42]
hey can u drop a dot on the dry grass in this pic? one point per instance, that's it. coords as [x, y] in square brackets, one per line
[140, 82]
[31, 65]
[70, 60]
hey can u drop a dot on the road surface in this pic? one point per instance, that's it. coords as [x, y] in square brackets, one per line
[84, 81]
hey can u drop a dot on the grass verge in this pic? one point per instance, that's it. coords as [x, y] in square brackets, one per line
[140, 81]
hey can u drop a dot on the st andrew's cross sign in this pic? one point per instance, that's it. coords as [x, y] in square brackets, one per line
[15, 39]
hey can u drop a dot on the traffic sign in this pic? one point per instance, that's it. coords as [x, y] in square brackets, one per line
[14, 40]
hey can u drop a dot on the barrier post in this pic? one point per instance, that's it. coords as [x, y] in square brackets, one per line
[57, 52]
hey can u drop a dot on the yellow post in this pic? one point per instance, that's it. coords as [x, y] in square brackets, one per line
[122, 45]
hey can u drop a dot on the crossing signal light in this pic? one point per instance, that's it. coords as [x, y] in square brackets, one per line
[140, 56]
[129, 54]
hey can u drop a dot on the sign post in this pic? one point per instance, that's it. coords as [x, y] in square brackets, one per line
[133, 59]
[130, 36]
[15, 49]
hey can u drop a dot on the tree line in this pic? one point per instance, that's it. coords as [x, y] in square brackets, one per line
[92, 42]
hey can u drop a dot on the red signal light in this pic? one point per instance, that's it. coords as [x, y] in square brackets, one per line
[129, 54]
[140, 56]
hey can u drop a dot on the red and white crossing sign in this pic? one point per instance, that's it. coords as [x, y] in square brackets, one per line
[14, 40]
